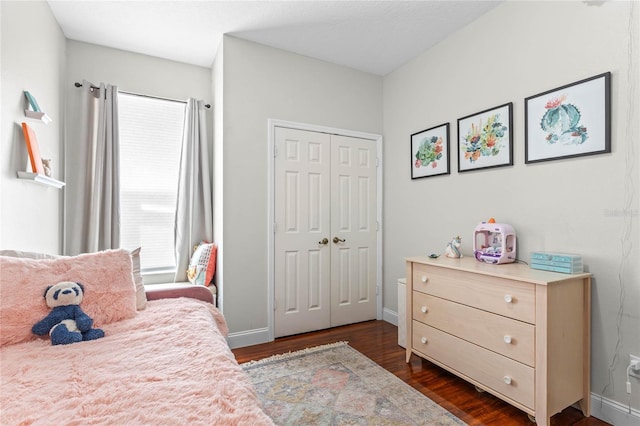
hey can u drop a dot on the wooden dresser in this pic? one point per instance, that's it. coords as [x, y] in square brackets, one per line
[519, 333]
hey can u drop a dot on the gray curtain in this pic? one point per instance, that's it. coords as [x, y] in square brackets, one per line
[194, 210]
[92, 207]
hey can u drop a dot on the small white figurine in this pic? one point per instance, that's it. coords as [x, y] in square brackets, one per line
[453, 248]
[47, 167]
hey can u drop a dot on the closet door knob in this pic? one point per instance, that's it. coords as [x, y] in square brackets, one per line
[338, 240]
[324, 241]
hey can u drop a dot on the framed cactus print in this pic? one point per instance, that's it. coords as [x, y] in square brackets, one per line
[430, 152]
[569, 121]
[485, 139]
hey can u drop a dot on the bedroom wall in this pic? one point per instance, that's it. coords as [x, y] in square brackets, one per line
[136, 73]
[32, 58]
[260, 83]
[586, 205]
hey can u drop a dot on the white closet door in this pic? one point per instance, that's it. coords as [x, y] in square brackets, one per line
[325, 250]
[353, 230]
[302, 214]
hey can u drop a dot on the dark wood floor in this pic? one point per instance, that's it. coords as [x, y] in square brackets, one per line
[378, 340]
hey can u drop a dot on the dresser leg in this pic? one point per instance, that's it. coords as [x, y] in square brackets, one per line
[540, 421]
[585, 406]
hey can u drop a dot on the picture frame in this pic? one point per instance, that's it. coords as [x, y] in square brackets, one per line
[430, 152]
[569, 121]
[485, 139]
[32, 147]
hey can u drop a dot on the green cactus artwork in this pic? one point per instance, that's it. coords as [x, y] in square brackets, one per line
[561, 121]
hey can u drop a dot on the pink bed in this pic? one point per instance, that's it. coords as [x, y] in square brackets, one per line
[166, 364]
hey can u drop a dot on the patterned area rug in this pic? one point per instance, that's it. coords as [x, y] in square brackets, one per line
[337, 385]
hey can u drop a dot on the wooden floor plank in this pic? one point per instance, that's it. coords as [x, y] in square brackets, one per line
[378, 340]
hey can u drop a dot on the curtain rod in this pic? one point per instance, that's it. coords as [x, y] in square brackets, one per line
[144, 96]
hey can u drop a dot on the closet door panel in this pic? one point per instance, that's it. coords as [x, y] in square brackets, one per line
[302, 216]
[354, 233]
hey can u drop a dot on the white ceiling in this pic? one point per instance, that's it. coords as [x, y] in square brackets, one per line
[371, 36]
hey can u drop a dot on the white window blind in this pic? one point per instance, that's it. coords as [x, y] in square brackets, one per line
[150, 141]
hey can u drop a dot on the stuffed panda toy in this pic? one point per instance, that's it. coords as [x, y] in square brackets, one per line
[66, 323]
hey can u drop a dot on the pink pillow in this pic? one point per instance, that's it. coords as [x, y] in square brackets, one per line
[141, 295]
[107, 277]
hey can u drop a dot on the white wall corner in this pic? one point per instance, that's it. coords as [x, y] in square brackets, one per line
[390, 316]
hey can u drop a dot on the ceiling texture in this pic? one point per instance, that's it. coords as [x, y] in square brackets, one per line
[372, 36]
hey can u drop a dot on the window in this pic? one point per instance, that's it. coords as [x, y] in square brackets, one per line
[150, 142]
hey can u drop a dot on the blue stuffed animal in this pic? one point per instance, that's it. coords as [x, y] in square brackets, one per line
[66, 323]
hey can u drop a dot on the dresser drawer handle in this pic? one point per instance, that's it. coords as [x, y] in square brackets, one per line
[424, 309]
[424, 279]
[423, 340]
[507, 339]
[507, 380]
[508, 298]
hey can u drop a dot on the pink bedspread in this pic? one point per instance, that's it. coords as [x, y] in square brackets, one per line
[168, 365]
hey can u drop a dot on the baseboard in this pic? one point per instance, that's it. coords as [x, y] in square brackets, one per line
[390, 316]
[261, 335]
[613, 412]
[248, 338]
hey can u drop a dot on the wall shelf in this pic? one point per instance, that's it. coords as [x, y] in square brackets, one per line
[41, 179]
[38, 115]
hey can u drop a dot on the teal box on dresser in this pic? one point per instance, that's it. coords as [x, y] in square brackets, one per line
[557, 262]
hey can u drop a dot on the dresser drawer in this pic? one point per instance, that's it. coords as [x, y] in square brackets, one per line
[506, 336]
[504, 376]
[509, 298]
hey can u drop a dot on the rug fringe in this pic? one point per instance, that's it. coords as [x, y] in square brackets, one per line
[290, 354]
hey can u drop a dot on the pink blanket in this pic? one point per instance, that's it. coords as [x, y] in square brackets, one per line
[168, 365]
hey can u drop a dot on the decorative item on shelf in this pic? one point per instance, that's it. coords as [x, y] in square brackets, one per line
[453, 248]
[46, 163]
[32, 147]
[41, 169]
[35, 111]
[494, 242]
[32, 101]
